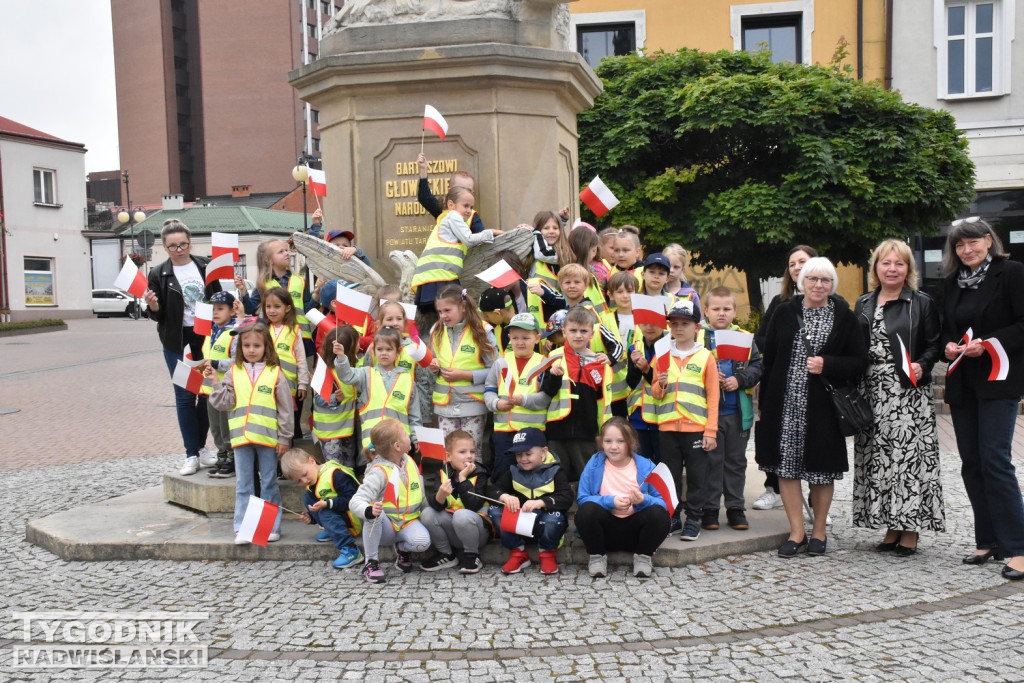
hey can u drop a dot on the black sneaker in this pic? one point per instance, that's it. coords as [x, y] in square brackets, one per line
[736, 518]
[213, 471]
[470, 563]
[439, 562]
[675, 525]
[224, 470]
[404, 561]
[709, 520]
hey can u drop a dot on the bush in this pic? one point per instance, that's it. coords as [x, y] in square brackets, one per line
[29, 324]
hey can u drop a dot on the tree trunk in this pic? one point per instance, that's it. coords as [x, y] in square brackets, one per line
[754, 291]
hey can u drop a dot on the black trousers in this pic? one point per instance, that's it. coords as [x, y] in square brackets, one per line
[641, 533]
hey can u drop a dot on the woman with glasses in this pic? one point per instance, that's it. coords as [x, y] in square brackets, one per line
[811, 338]
[896, 483]
[175, 286]
[983, 333]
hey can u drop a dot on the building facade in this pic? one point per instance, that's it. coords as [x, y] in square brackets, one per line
[44, 256]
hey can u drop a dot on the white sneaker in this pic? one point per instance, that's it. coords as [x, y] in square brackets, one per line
[769, 500]
[191, 466]
[274, 536]
[207, 458]
[240, 541]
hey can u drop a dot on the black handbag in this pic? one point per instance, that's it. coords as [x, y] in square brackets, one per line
[853, 412]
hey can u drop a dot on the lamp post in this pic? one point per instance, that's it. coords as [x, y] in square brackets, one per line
[301, 175]
[131, 219]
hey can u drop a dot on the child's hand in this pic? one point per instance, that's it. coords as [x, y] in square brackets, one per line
[339, 395]
[240, 285]
[730, 383]
[636, 497]
[208, 370]
[534, 286]
[435, 366]
[603, 358]
[504, 404]
[378, 508]
[710, 443]
[306, 519]
[318, 506]
[535, 504]
[517, 400]
[466, 471]
[300, 394]
[444, 491]
[237, 309]
[453, 375]
[318, 216]
[663, 379]
[511, 502]
[557, 370]
[348, 252]
[496, 232]
[622, 502]
[421, 159]
[282, 448]
[564, 213]
[338, 349]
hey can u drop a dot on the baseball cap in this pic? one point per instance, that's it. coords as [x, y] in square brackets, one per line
[685, 308]
[329, 292]
[658, 259]
[524, 321]
[223, 298]
[555, 323]
[494, 299]
[340, 233]
[527, 438]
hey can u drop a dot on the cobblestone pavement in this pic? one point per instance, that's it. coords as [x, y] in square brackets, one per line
[852, 615]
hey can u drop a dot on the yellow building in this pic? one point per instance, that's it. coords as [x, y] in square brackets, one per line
[805, 31]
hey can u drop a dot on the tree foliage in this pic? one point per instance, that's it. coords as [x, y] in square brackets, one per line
[738, 158]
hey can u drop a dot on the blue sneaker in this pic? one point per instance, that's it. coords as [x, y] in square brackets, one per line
[347, 558]
[323, 536]
[691, 530]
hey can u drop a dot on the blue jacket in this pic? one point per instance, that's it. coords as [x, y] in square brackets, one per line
[593, 475]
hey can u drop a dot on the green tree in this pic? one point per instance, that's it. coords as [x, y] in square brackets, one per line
[738, 158]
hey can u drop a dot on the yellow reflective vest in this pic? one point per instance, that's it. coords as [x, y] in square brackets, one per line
[685, 395]
[323, 489]
[339, 421]
[465, 357]
[284, 343]
[381, 403]
[439, 261]
[619, 388]
[213, 350]
[409, 494]
[547, 273]
[296, 287]
[561, 405]
[254, 417]
[519, 417]
[451, 503]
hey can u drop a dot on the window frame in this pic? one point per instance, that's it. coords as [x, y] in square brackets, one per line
[595, 20]
[39, 197]
[1003, 17]
[793, 21]
[25, 272]
[802, 8]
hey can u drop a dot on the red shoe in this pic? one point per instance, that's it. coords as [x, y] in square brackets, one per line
[548, 561]
[518, 560]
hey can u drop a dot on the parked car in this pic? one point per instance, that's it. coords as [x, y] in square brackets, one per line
[107, 302]
[229, 286]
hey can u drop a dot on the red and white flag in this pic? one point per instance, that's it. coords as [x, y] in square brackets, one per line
[661, 479]
[733, 345]
[320, 321]
[323, 379]
[519, 522]
[431, 443]
[224, 243]
[420, 352]
[432, 120]
[1000, 361]
[509, 384]
[258, 522]
[648, 310]
[548, 362]
[391, 489]
[499, 275]
[964, 341]
[905, 362]
[663, 353]
[598, 197]
[220, 268]
[203, 323]
[410, 309]
[131, 279]
[317, 182]
[187, 378]
[353, 307]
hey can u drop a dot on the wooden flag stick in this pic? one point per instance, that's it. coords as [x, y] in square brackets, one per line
[317, 198]
[423, 135]
[474, 493]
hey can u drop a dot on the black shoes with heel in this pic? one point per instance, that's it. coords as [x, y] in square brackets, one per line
[990, 554]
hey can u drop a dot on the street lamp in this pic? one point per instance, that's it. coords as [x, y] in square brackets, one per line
[301, 175]
[131, 219]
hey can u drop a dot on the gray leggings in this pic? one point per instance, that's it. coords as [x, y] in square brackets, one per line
[464, 529]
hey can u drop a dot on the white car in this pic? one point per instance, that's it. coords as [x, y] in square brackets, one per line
[106, 302]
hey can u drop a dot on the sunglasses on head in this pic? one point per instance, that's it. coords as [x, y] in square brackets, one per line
[960, 221]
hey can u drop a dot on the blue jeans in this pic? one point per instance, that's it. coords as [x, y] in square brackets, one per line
[247, 457]
[984, 436]
[548, 533]
[334, 522]
[193, 419]
[503, 460]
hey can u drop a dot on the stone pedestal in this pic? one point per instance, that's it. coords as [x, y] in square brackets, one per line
[509, 93]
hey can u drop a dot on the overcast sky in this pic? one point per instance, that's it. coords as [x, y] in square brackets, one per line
[57, 73]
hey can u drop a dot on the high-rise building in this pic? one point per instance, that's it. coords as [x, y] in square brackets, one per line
[203, 100]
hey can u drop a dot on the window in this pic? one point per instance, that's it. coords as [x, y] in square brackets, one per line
[45, 186]
[972, 38]
[314, 115]
[39, 290]
[240, 266]
[311, 29]
[316, 144]
[784, 28]
[325, 8]
[597, 35]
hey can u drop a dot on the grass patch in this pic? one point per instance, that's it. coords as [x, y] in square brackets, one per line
[30, 324]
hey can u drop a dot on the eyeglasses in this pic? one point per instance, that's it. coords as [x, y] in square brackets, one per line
[818, 280]
[177, 247]
[960, 221]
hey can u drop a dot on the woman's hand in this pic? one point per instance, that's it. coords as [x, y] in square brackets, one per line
[974, 349]
[150, 298]
[815, 365]
[953, 350]
[916, 367]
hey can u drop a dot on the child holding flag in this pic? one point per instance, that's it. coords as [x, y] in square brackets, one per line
[618, 508]
[535, 484]
[550, 248]
[273, 261]
[334, 420]
[390, 500]
[279, 312]
[727, 464]
[457, 514]
[414, 356]
[217, 352]
[259, 399]
[640, 379]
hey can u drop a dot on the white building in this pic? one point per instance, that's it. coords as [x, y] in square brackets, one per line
[43, 255]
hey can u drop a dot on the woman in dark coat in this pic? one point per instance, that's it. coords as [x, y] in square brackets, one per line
[798, 436]
[984, 300]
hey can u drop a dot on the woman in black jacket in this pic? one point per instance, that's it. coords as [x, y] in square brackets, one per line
[896, 482]
[984, 314]
[798, 436]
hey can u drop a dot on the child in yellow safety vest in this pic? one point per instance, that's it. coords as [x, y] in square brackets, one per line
[273, 262]
[463, 354]
[334, 420]
[257, 395]
[329, 490]
[550, 248]
[685, 408]
[412, 356]
[497, 310]
[217, 349]
[640, 379]
[389, 500]
[456, 515]
[279, 312]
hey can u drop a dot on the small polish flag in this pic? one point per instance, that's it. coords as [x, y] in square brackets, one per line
[499, 275]
[663, 353]
[220, 268]
[905, 362]
[319, 320]
[258, 522]
[1000, 361]
[317, 182]
[224, 243]
[431, 443]
[353, 307]
[432, 120]
[519, 522]
[187, 360]
[420, 353]
[733, 345]
[203, 324]
[648, 310]
[323, 379]
[661, 479]
[391, 490]
[187, 378]
[964, 341]
[131, 279]
[509, 385]
[598, 197]
[544, 365]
